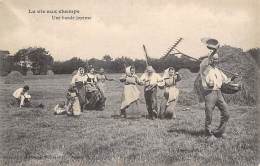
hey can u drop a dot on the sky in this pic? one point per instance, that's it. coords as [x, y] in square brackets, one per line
[120, 28]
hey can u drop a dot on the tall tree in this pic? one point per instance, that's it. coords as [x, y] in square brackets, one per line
[40, 58]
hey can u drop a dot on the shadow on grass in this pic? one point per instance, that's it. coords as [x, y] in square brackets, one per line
[188, 131]
[129, 117]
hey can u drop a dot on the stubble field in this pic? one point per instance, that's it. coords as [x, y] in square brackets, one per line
[34, 136]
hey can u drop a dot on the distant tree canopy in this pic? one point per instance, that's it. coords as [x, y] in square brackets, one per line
[39, 57]
[6, 64]
[117, 65]
[67, 67]
[41, 60]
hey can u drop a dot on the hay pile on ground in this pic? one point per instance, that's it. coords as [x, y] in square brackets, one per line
[15, 77]
[50, 73]
[29, 73]
[187, 98]
[237, 61]
[74, 72]
[185, 73]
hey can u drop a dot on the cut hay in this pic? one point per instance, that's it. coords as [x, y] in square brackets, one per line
[237, 61]
[50, 73]
[15, 77]
[29, 73]
[74, 72]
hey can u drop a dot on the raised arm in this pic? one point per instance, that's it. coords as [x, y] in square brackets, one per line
[178, 77]
[122, 78]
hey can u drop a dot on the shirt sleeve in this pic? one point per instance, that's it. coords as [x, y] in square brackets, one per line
[203, 66]
[209, 78]
[225, 79]
[73, 80]
[142, 78]
[95, 78]
[18, 93]
[160, 81]
[122, 78]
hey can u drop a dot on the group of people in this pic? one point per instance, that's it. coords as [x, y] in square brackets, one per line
[88, 88]
[151, 82]
[86, 91]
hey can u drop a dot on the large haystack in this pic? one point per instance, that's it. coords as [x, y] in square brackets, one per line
[15, 77]
[50, 73]
[198, 89]
[237, 61]
[185, 74]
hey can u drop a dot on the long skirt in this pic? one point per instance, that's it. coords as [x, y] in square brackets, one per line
[101, 87]
[168, 104]
[81, 92]
[74, 107]
[130, 95]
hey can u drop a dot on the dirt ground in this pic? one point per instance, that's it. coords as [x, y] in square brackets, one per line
[37, 137]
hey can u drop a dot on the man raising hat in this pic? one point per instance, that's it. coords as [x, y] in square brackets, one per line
[212, 80]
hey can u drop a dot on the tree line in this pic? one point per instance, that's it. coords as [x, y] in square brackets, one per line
[39, 61]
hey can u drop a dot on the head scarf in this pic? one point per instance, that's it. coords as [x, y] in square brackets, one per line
[166, 72]
[150, 68]
[128, 71]
[80, 68]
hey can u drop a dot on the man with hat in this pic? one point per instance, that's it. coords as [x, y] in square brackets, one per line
[212, 80]
[150, 79]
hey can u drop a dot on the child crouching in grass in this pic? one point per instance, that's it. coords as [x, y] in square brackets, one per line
[22, 97]
[71, 107]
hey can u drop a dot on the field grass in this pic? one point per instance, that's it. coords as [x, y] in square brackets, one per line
[37, 137]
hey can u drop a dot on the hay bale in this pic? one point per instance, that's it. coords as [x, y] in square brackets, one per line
[74, 72]
[237, 61]
[15, 77]
[50, 73]
[29, 73]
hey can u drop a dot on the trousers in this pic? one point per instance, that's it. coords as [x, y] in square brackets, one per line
[215, 98]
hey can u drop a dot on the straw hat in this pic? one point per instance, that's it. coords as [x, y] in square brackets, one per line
[210, 43]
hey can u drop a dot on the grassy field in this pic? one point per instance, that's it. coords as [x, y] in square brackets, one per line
[37, 137]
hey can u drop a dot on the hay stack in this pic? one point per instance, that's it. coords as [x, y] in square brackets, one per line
[74, 72]
[50, 73]
[15, 77]
[198, 89]
[185, 74]
[237, 61]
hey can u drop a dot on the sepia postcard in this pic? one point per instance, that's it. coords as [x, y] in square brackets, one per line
[129, 82]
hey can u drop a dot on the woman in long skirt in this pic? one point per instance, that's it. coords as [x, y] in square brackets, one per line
[131, 92]
[78, 82]
[171, 93]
